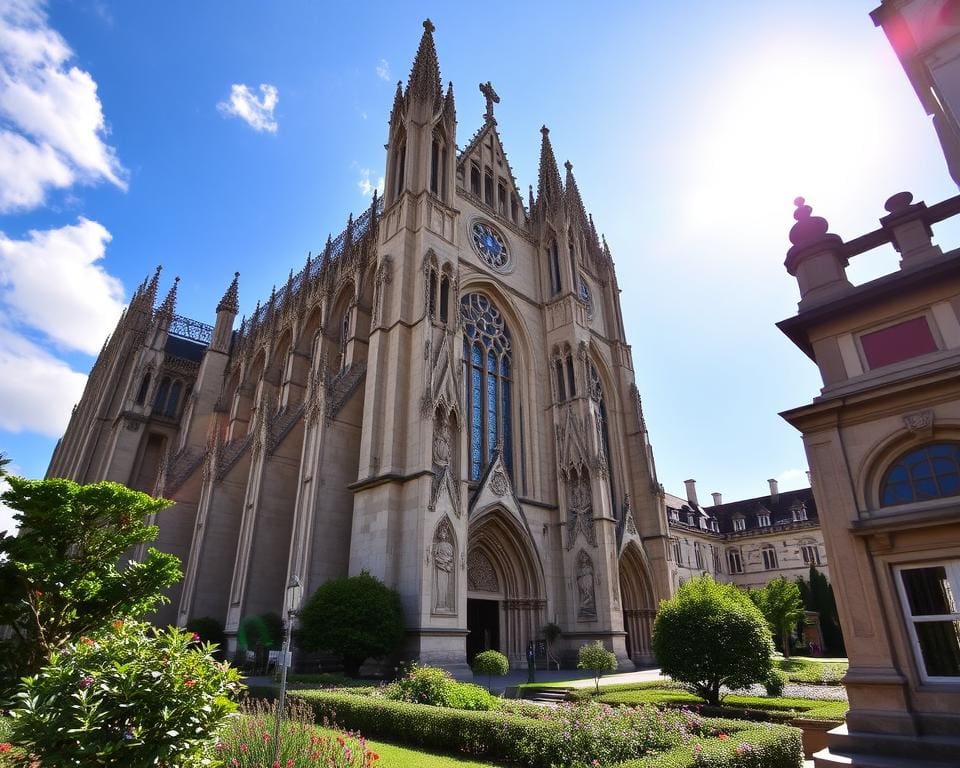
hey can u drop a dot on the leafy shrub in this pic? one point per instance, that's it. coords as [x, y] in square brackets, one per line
[568, 736]
[775, 683]
[491, 663]
[247, 741]
[209, 629]
[129, 695]
[356, 617]
[597, 659]
[711, 635]
[327, 680]
[782, 606]
[436, 688]
[265, 629]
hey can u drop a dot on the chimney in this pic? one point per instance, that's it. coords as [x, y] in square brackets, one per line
[774, 492]
[692, 492]
[717, 499]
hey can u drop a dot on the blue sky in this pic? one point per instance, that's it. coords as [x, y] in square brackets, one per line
[691, 127]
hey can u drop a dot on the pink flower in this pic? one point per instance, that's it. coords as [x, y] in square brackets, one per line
[195, 638]
[6, 746]
[189, 683]
[85, 682]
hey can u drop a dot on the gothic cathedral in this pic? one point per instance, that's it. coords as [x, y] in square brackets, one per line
[443, 397]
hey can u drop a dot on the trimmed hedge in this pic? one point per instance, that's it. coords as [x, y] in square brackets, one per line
[747, 745]
[508, 738]
[492, 735]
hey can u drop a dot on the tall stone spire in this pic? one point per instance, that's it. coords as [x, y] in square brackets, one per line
[572, 192]
[449, 107]
[230, 301]
[151, 290]
[170, 302]
[397, 109]
[424, 82]
[549, 189]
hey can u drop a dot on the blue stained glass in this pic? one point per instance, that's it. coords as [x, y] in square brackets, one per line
[477, 355]
[507, 433]
[476, 428]
[491, 362]
[505, 367]
[930, 472]
[491, 415]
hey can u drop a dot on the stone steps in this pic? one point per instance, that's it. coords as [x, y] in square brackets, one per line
[546, 694]
[879, 750]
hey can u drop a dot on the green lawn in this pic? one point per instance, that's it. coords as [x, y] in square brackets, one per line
[812, 671]
[393, 756]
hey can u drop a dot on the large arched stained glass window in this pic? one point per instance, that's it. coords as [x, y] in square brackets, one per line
[487, 380]
[930, 472]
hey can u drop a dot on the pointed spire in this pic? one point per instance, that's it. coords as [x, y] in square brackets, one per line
[327, 252]
[170, 302]
[530, 194]
[449, 106]
[373, 211]
[348, 235]
[397, 109]
[424, 82]
[549, 188]
[573, 194]
[230, 302]
[153, 285]
[593, 231]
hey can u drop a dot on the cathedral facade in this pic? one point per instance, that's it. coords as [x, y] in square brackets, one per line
[444, 397]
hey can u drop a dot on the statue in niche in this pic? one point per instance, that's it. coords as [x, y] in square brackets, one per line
[441, 442]
[444, 559]
[586, 588]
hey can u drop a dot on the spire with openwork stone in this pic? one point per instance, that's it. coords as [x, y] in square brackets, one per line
[424, 82]
[230, 301]
[170, 302]
[572, 192]
[549, 189]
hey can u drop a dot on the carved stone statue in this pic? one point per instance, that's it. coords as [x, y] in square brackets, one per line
[444, 559]
[586, 588]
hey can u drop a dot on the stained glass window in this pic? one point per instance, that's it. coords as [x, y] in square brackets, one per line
[490, 245]
[930, 472]
[487, 368]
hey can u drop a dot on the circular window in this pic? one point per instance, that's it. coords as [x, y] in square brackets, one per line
[585, 295]
[490, 245]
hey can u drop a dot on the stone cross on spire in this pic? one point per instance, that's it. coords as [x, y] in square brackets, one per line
[492, 98]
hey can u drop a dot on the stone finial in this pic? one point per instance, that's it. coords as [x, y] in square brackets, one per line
[230, 301]
[898, 203]
[909, 231]
[492, 98]
[808, 229]
[549, 188]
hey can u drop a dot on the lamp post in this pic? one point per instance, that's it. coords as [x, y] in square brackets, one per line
[293, 593]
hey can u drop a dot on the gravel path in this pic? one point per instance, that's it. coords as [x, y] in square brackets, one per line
[801, 691]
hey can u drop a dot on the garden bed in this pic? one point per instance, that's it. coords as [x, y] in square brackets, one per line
[535, 737]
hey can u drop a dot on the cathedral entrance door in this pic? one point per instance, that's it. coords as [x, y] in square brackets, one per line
[483, 622]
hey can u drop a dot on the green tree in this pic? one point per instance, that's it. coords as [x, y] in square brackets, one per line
[711, 635]
[355, 617]
[597, 659]
[780, 602]
[61, 577]
[491, 663]
[817, 594]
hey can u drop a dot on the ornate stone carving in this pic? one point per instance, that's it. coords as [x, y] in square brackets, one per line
[441, 443]
[586, 588]
[444, 478]
[499, 483]
[480, 574]
[444, 570]
[919, 423]
[579, 509]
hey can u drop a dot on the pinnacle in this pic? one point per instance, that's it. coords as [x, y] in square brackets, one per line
[230, 302]
[424, 82]
[170, 302]
[549, 187]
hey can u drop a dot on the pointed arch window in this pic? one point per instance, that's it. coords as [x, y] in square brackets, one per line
[554, 258]
[929, 472]
[488, 382]
[475, 179]
[600, 413]
[144, 387]
[344, 338]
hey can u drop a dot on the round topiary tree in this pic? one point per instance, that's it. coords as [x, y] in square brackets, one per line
[711, 635]
[491, 663]
[597, 659]
[355, 617]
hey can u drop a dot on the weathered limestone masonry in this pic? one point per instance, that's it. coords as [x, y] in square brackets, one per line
[883, 442]
[443, 397]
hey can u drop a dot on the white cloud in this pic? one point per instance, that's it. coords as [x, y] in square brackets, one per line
[55, 129]
[52, 282]
[37, 390]
[792, 479]
[7, 523]
[367, 186]
[383, 70]
[257, 113]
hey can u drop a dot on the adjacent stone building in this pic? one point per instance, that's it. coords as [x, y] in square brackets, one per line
[443, 395]
[882, 439]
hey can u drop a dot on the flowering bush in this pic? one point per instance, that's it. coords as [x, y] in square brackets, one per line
[129, 695]
[247, 741]
[436, 687]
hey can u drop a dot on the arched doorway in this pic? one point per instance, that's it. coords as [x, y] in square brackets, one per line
[505, 594]
[638, 604]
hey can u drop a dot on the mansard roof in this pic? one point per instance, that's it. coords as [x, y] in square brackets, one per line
[780, 510]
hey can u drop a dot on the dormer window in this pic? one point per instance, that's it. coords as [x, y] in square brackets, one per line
[763, 519]
[739, 523]
[674, 515]
[799, 512]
